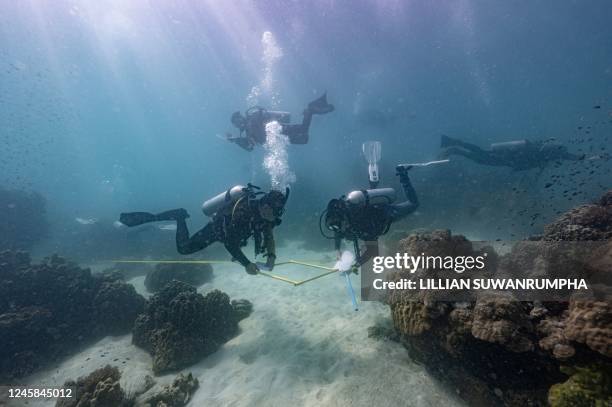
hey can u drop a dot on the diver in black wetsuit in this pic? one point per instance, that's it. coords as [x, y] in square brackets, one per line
[253, 126]
[233, 223]
[367, 215]
[518, 155]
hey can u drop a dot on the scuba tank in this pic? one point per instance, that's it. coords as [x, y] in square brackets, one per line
[269, 115]
[216, 203]
[281, 117]
[509, 145]
[372, 197]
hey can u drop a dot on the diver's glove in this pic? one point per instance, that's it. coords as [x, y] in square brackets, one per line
[252, 268]
[402, 169]
[242, 141]
[270, 261]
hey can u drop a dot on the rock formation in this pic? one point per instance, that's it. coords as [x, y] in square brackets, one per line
[163, 273]
[50, 309]
[179, 326]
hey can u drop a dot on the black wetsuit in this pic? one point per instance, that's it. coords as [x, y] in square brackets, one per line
[525, 156]
[257, 119]
[369, 222]
[253, 126]
[233, 226]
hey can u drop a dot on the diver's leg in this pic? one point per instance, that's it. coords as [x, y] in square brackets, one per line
[139, 218]
[481, 156]
[200, 240]
[401, 210]
[573, 157]
[453, 142]
[297, 133]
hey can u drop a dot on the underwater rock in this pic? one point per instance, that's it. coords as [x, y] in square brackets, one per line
[479, 345]
[415, 318]
[382, 332]
[179, 326]
[242, 308]
[591, 222]
[116, 306]
[23, 220]
[51, 309]
[99, 389]
[587, 386]
[590, 323]
[194, 274]
[177, 394]
[501, 319]
[553, 337]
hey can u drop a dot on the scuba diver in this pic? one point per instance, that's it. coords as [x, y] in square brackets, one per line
[237, 214]
[253, 126]
[519, 155]
[367, 214]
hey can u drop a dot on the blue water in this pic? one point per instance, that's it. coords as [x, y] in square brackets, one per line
[108, 106]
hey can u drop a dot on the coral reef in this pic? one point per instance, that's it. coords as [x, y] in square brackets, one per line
[163, 273]
[22, 219]
[179, 326]
[590, 323]
[177, 394]
[99, 389]
[242, 308]
[497, 350]
[48, 310]
[587, 386]
[592, 222]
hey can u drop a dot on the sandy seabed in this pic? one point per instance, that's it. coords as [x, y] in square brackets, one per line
[302, 346]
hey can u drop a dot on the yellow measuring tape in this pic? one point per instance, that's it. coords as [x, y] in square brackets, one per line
[329, 270]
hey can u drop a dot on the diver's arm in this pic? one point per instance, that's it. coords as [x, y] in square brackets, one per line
[269, 241]
[337, 241]
[270, 246]
[243, 141]
[233, 247]
[411, 204]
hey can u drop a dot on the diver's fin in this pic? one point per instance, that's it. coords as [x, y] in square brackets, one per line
[136, 218]
[173, 214]
[320, 105]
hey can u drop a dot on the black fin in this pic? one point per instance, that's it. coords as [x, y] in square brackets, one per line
[320, 105]
[136, 218]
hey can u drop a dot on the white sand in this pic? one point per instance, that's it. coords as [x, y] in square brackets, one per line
[301, 346]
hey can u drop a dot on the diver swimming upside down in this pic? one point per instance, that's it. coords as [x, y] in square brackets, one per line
[237, 214]
[253, 126]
